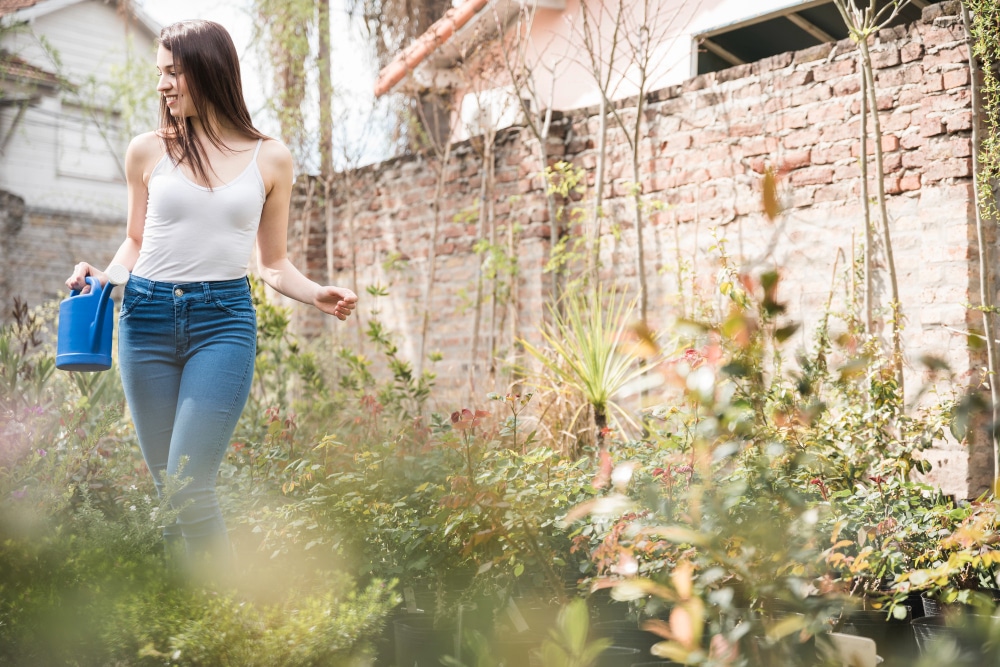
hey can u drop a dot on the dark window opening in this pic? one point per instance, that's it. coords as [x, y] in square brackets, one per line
[792, 29]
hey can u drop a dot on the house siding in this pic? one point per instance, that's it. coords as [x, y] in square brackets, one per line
[56, 161]
[705, 146]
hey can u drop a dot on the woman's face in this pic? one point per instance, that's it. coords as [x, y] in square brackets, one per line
[172, 86]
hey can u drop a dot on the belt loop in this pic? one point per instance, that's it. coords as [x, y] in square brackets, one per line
[207, 291]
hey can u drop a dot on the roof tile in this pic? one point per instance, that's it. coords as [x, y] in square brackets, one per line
[11, 6]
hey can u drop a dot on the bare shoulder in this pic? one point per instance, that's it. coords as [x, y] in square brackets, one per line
[276, 164]
[274, 153]
[143, 152]
[146, 145]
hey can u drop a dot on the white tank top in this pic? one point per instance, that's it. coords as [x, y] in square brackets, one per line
[195, 234]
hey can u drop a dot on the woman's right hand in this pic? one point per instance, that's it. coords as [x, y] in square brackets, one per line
[78, 281]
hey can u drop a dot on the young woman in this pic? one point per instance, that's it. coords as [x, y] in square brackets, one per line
[202, 189]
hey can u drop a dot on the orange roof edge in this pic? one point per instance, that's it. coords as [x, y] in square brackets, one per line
[436, 35]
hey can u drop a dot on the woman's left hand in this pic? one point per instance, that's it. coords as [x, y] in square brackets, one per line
[336, 301]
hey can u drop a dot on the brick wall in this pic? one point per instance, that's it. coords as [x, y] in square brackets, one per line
[705, 146]
[41, 248]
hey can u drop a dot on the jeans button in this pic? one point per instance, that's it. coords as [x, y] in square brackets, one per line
[178, 292]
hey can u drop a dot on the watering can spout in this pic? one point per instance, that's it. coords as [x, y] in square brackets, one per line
[117, 275]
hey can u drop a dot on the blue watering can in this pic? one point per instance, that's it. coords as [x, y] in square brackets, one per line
[86, 325]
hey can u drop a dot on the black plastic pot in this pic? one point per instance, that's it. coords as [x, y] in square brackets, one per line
[627, 634]
[385, 643]
[930, 630]
[932, 606]
[892, 636]
[420, 644]
[617, 656]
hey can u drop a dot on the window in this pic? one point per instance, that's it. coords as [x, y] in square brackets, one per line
[88, 150]
[794, 28]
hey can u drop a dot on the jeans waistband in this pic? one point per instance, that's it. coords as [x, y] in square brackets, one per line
[204, 289]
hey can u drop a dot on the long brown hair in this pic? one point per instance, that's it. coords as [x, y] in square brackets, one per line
[205, 54]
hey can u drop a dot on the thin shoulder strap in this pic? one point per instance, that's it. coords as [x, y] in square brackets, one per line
[257, 150]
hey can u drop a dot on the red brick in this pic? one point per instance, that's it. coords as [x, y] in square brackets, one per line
[933, 83]
[888, 57]
[834, 70]
[956, 78]
[812, 94]
[914, 159]
[795, 120]
[892, 162]
[890, 143]
[956, 54]
[951, 147]
[931, 127]
[896, 122]
[951, 168]
[911, 51]
[801, 138]
[795, 159]
[959, 122]
[812, 176]
[909, 183]
[891, 78]
[849, 86]
[831, 154]
[960, 98]
[914, 75]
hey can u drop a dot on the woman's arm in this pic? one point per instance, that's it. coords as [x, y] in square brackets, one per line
[141, 156]
[272, 240]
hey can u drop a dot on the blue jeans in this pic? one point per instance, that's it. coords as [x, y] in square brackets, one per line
[186, 354]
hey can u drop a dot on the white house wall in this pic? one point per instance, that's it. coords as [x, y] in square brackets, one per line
[556, 43]
[55, 158]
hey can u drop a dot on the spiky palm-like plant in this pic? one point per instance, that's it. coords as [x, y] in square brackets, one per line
[591, 349]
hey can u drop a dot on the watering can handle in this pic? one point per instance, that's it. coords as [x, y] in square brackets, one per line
[92, 281]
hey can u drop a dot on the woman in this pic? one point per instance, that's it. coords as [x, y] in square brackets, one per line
[201, 190]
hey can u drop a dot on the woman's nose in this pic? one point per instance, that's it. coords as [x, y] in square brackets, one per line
[163, 84]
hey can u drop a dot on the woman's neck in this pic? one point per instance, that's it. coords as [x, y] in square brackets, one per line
[224, 133]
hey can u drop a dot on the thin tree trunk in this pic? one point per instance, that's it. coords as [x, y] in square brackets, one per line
[352, 235]
[478, 311]
[330, 236]
[640, 247]
[985, 275]
[325, 91]
[602, 150]
[866, 206]
[897, 345]
[432, 257]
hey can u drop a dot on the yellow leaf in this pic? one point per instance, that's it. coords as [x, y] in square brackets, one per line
[785, 627]
[671, 651]
[681, 578]
[770, 195]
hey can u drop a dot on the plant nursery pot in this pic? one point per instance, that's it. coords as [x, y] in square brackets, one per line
[516, 649]
[617, 656]
[627, 634]
[892, 636]
[934, 607]
[420, 644]
[930, 630]
[604, 608]
[931, 606]
[385, 643]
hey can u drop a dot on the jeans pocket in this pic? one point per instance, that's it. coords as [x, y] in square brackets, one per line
[237, 305]
[130, 299]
